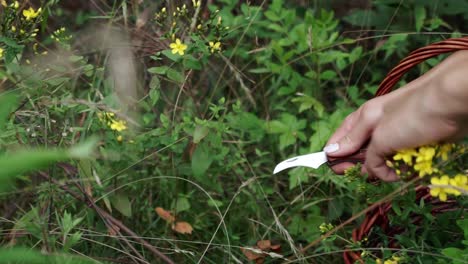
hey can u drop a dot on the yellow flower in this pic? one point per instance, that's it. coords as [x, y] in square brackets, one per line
[13, 29]
[425, 154]
[444, 151]
[459, 181]
[440, 192]
[118, 125]
[406, 155]
[196, 3]
[215, 46]
[119, 138]
[424, 168]
[1, 52]
[30, 13]
[178, 47]
[3, 2]
[15, 5]
[378, 261]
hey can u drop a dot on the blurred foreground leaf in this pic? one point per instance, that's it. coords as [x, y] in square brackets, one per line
[23, 255]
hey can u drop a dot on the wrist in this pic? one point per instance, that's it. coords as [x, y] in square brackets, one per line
[448, 92]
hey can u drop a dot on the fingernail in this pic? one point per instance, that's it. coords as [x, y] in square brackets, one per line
[331, 148]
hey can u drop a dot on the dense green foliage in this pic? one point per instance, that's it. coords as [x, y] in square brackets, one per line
[198, 131]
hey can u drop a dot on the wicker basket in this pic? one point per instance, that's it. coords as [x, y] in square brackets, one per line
[378, 216]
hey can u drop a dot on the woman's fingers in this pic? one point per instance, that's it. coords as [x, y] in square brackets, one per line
[358, 132]
[376, 165]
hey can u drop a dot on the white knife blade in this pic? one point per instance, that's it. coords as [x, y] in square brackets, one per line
[313, 160]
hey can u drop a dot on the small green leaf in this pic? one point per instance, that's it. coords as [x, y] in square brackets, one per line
[171, 56]
[8, 101]
[201, 160]
[297, 177]
[181, 204]
[175, 75]
[154, 96]
[327, 75]
[158, 70]
[200, 133]
[419, 17]
[192, 63]
[122, 204]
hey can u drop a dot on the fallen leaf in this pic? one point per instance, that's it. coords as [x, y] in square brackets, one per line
[252, 255]
[182, 228]
[264, 244]
[166, 215]
[276, 248]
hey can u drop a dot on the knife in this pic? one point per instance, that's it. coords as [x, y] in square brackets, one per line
[315, 160]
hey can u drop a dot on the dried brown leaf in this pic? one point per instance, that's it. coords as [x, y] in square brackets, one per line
[276, 248]
[251, 255]
[264, 244]
[182, 228]
[166, 215]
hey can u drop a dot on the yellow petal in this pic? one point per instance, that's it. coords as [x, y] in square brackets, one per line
[443, 196]
[435, 192]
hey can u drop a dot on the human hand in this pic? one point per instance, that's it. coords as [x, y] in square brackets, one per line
[431, 109]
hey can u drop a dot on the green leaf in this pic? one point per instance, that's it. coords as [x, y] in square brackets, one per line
[215, 203]
[307, 102]
[158, 70]
[175, 75]
[8, 103]
[201, 160]
[327, 75]
[14, 164]
[200, 133]
[154, 86]
[457, 255]
[122, 204]
[419, 17]
[297, 177]
[171, 56]
[181, 204]
[191, 63]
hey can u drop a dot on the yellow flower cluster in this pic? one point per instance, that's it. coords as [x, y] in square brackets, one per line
[115, 124]
[392, 260]
[422, 158]
[446, 185]
[421, 161]
[214, 46]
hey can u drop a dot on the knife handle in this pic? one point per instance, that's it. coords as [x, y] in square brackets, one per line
[357, 157]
